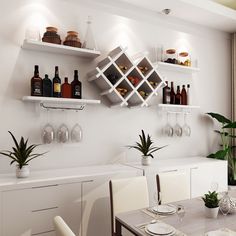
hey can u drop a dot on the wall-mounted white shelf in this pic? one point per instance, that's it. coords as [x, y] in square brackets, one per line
[172, 108]
[60, 49]
[61, 103]
[124, 82]
[176, 68]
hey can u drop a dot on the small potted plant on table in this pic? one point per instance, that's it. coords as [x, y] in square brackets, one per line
[145, 146]
[22, 154]
[211, 204]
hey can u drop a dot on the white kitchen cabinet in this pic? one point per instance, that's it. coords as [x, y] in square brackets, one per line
[208, 176]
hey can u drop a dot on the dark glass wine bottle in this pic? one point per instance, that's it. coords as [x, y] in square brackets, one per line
[183, 96]
[36, 83]
[76, 86]
[66, 89]
[166, 94]
[47, 87]
[178, 96]
[56, 83]
[172, 93]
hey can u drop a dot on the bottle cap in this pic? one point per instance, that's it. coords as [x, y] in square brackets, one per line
[66, 79]
[46, 75]
[188, 85]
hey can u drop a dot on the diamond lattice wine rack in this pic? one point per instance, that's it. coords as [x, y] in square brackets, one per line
[124, 82]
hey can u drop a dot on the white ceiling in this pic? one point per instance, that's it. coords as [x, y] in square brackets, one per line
[203, 12]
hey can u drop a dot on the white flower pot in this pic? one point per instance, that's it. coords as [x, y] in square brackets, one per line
[146, 160]
[211, 212]
[23, 172]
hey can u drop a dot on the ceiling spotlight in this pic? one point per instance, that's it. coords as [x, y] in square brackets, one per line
[166, 11]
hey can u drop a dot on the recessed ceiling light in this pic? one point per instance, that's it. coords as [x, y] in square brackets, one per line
[166, 11]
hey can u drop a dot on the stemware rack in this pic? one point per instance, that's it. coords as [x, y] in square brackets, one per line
[132, 83]
[171, 108]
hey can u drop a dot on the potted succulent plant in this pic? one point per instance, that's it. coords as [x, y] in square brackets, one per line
[145, 146]
[21, 154]
[227, 148]
[211, 201]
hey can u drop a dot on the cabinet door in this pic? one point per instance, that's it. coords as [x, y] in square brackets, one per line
[96, 204]
[205, 177]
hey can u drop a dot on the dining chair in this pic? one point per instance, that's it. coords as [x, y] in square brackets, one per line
[173, 186]
[61, 228]
[126, 195]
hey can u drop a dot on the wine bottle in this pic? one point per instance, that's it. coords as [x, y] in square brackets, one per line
[188, 95]
[76, 86]
[178, 96]
[66, 89]
[56, 83]
[36, 83]
[166, 94]
[47, 87]
[183, 96]
[172, 93]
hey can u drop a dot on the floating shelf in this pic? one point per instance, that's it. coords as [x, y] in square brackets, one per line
[60, 103]
[178, 68]
[177, 108]
[60, 49]
[125, 83]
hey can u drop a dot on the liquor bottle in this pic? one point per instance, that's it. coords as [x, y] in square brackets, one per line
[76, 86]
[36, 83]
[56, 84]
[183, 96]
[178, 96]
[166, 94]
[47, 87]
[188, 95]
[172, 93]
[66, 89]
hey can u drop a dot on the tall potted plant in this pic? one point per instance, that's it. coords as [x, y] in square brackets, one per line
[226, 151]
[21, 154]
[211, 201]
[146, 147]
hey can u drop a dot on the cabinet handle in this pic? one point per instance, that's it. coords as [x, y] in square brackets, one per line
[45, 232]
[194, 168]
[166, 171]
[45, 186]
[45, 209]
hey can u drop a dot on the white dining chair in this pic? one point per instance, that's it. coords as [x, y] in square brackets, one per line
[61, 228]
[173, 186]
[126, 195]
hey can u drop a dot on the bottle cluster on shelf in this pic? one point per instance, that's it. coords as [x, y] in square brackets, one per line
[54, 88]
[178, 96]
[125, 83]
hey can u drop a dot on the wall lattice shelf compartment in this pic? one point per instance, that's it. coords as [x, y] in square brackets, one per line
[124, 82]
[172, 108]
[176, 68]
[60, 49]
[61, 103]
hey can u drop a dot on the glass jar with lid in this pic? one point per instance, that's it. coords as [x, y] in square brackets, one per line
[170, 56]
[184, 59]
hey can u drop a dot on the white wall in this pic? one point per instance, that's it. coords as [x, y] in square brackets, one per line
[106, 130]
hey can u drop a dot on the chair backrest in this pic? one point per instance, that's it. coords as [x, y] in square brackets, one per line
[61, 228]
[173, 186]
[127, 194]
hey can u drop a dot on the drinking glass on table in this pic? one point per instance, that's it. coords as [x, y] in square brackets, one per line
[225, 204]
[157, 200]
[180, 211]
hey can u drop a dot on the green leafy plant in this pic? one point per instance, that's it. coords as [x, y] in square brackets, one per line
[226, 151]
[145, 146]
[211, 199]
[22, 154]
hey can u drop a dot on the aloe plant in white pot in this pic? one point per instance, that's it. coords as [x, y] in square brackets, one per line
[145, 146]
[211, 201]
[21, 154]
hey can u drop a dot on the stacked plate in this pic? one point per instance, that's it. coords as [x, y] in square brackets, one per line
[160, 228]
[168, 209]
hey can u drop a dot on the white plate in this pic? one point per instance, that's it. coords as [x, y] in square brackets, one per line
[165, 209]
[221, 232]
[172, 234]
[160, 228]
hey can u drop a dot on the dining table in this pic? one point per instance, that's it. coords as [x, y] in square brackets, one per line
[194, 222]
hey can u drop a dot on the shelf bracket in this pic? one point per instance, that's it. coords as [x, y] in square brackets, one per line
[80, 108]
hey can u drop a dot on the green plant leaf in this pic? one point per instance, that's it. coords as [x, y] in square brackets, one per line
[231, 125]
[221, 154]
[219, 118]
[221, 133]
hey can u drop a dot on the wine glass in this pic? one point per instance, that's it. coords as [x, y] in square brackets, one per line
[186, 128]
[180, 211]
[63, 134]
[168, 129]
[47, 134]
[76, 133]
[177, 128]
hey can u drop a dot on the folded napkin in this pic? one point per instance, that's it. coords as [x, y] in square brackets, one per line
[221, 232]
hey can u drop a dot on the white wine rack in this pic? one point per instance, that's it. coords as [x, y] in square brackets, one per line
[124, 82]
